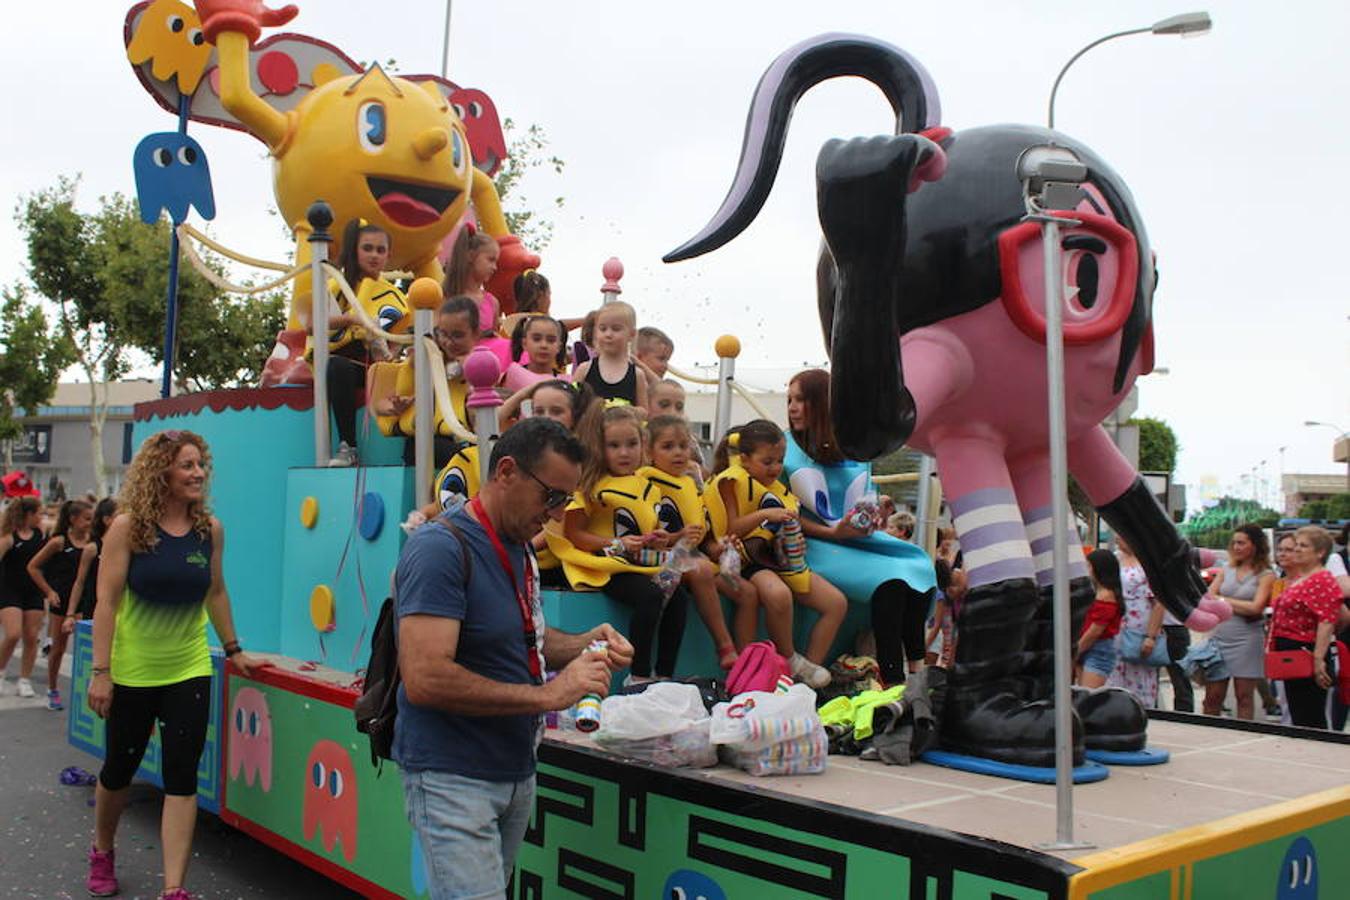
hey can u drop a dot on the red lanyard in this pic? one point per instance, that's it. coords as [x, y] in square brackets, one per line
[522, 597]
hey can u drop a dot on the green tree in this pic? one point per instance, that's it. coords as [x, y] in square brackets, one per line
[1213, 526]
[1334, 507]
[32, 357]
[106, 273]
[525, 151]
[1157, 445]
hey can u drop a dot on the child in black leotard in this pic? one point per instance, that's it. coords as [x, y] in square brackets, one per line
[21, 602]
[54, 569]
[613, 374]
[85, 591]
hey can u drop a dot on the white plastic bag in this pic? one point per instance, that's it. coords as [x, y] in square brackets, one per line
[731, 722]
[665, 724]
[663, 708]
[771, 734]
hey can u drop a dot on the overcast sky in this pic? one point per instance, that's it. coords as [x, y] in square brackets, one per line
[1233, 144]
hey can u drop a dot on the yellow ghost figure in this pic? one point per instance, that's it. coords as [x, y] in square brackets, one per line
[169, 36]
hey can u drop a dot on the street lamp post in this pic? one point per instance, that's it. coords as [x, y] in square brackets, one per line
[1051, 179]
[1196, 23]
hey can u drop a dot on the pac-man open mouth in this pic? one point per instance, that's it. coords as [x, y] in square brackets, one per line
[408, 204]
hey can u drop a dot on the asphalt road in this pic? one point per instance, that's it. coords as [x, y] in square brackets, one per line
[45, 827]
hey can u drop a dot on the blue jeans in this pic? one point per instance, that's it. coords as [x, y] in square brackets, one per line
[1101, 657]
[469, 831]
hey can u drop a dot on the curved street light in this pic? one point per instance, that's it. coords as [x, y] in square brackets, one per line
[1186, 24]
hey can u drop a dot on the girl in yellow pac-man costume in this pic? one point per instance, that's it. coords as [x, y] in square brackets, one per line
[613, 541]
[681, 514]
[365, 252]
[746, 499]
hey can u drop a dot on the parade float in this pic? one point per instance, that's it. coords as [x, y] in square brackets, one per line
[312, 548]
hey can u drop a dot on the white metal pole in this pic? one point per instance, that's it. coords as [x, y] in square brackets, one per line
[1059, 500]
[320, 217]
[423, 406]
[445, 44]
[921, 502]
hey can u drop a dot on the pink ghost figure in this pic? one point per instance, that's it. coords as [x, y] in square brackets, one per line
[330, 798]
[250, 736]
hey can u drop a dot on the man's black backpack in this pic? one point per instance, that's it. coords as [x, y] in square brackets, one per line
[377, 707]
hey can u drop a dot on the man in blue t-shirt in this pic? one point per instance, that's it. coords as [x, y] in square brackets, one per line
[473, 648]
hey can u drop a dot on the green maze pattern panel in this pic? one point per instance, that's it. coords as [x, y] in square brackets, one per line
[626, 831]
[85, 730]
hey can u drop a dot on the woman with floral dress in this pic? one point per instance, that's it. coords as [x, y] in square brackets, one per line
[1143, 615]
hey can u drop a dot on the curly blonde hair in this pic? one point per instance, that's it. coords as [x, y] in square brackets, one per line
[147, 486]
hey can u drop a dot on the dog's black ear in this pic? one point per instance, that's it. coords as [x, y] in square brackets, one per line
[861, 189]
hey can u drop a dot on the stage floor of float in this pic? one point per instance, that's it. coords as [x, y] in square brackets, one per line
[1214, 772]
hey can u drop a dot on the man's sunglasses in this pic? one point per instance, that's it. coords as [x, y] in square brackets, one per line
[553, 498]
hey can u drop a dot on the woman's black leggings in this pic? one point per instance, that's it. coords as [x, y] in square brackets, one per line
[651, 625]
[346, 378]
[1307, 700]
[182, 710]
[898, 616]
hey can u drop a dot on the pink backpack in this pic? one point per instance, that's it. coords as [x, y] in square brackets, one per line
[757, 668]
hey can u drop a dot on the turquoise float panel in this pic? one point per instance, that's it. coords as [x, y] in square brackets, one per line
[334, 553]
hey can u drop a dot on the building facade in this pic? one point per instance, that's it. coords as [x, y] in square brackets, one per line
[56, 444]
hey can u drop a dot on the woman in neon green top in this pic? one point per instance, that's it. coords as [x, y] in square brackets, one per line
[159, 580]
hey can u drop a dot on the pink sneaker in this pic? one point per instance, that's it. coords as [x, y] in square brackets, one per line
[175, 894]
[102, 881]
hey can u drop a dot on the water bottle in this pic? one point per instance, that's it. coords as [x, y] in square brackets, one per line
[678, 561]
[586, 713]
[729, 564]
[865, 515]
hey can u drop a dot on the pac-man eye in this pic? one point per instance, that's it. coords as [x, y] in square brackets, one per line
[162, 157]
[459, 110]
[389, 316]
[625, 523]
[175, 23]
[187, 155]
[370, 125]
[668, 515]
[335, 783]
[678, 893]
[253, 724]
[457, 154]
[239, 721]
[770, 501]
[196, 37]
[475, 109]
[318, 775]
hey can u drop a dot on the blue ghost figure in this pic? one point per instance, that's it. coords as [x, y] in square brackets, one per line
[1298, 872]
[172, 174]
[686, 884]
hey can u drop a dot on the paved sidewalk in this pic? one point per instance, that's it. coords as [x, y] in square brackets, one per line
[45, 826]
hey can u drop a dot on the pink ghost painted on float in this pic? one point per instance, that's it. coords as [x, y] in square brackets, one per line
[330, 800]
[250, 748]
[931, 299]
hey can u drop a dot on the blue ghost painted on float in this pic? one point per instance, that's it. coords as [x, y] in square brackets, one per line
[172, 174]
[686, 884]
[1298, 872]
